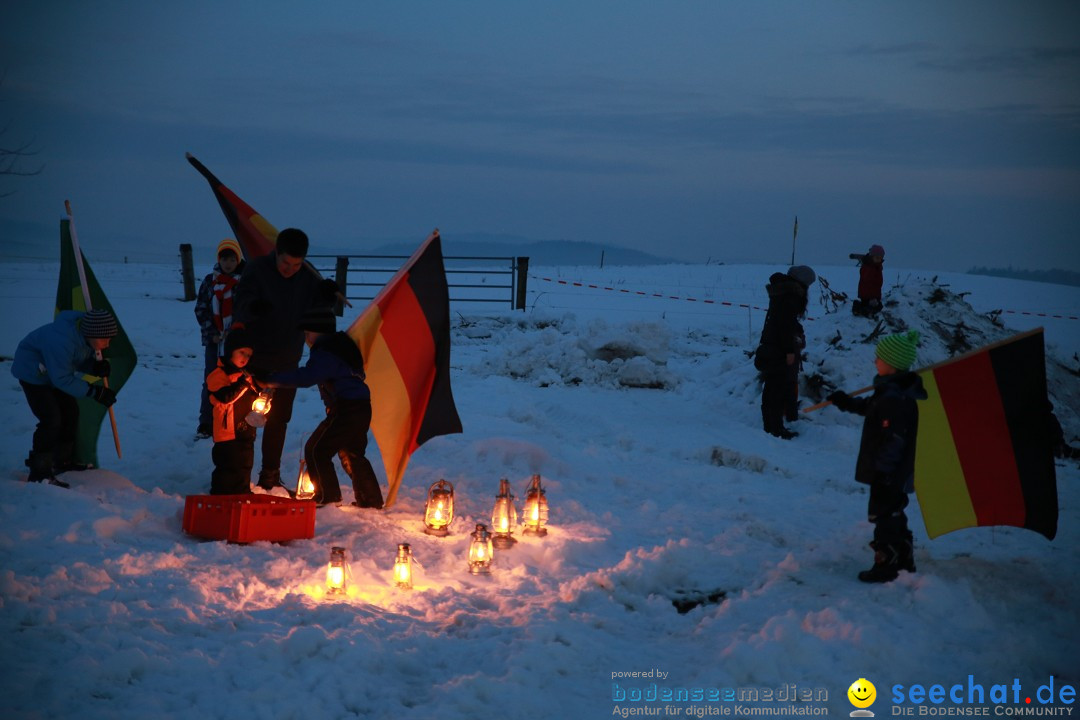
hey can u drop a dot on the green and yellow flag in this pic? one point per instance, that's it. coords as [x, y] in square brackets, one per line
[121, 355]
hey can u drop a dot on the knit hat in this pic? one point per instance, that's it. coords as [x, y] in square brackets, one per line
[899, 350]
[99, 324]
[877, 251]
[804, 274]
[319, 319]
[230, 245]
[237, 338]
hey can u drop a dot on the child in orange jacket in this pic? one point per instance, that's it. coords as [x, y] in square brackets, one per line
[231, 392]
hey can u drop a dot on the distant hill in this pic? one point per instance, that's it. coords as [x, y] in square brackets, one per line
[1057, 277]
[539, 252]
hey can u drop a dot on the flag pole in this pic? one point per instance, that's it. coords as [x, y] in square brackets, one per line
[935, 366]
[794, 235]
[89, 306]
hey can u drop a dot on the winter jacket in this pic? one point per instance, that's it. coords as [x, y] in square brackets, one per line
[213, 305]
[270, 307]
[782, 334]
[335, 365]
[887, 447]
[56, 354]
[870, 280]
[231, 398]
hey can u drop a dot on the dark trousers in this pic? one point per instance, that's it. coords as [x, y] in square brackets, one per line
[277, 423]
[206, 413]
[886, 511]
[232, 466]
[779, 397]
[57, 414]
[343, 433]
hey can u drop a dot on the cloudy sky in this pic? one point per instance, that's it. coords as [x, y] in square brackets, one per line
[949, 132]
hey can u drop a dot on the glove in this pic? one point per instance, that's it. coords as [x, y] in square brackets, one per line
[101, 368]
[840, 399]
[102, 394]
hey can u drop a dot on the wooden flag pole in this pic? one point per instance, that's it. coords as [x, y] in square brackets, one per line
[935, 366]
[89, 306]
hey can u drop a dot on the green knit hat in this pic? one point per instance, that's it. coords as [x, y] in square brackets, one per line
[899, 350]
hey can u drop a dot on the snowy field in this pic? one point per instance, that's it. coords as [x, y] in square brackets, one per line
[641, 414]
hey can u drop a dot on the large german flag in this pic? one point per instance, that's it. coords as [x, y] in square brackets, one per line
[404, 336]
[983, 453]
[255, 234]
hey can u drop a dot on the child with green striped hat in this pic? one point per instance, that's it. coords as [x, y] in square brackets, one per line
[886, 460]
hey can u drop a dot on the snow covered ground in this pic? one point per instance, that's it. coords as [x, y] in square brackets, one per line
[663, 494]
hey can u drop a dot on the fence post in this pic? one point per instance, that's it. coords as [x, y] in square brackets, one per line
[187, 272]
[341, 275]
[522, 282]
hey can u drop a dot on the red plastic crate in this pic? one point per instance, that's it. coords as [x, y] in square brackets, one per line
[248, 518]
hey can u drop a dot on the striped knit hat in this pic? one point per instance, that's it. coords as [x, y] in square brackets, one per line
[98, 324]
[899, 350]
[230, 245]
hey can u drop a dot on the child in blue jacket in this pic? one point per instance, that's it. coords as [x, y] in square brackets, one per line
[337, 367]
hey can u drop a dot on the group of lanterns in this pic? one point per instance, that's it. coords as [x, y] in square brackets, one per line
[438, 514]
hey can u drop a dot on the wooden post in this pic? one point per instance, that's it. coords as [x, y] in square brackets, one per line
[341, 274]
[187, 271]
[522, 282]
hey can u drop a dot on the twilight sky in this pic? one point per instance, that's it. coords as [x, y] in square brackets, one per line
[949, 132]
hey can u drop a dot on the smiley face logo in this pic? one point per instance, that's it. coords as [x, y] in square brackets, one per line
[862, 693]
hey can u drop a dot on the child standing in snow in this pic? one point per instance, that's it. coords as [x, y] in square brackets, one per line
[337, 367]
[213, 310]
[779, 353]
[871, 278]
[231, 393]
[886, 459]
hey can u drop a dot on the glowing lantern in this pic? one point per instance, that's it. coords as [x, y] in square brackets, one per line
[403, 566]
[536, 508]
[439, 511]
[480, 551]
[337, 572]
[260, 408]
[305, 488]
[504, 517]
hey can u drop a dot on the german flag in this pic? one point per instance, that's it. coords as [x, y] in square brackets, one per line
[404, 336]
[983, 452]
[256, 236]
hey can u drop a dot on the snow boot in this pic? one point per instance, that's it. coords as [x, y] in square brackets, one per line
[270, 479]
[886, 565]
[41, 469]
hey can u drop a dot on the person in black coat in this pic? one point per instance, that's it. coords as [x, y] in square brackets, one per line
[272, 296]
[779, 353]
[886, 459]
[337, 367]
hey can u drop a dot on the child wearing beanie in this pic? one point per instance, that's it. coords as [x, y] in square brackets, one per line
[871, 278]
[231, 393]
[337, 367]
[213, 310]
[886, 460]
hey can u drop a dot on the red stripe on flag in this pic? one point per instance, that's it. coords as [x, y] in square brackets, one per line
[406, 333]
[980, 430]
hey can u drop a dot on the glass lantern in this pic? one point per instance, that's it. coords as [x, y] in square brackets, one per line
[439, 510]
[305, 488]
[260, 408]
[504, 517]
[403, 567]
[536, 509]
[480, 551]
[337, 572]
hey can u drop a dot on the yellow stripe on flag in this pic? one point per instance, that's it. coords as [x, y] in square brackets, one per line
[939, 478]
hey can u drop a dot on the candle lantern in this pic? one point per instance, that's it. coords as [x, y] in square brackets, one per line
[536, 508]
[337, 572]
[480, 551]
[305, 488]
[403, 566]
[260, 408]
[439, 511]
[504, 517]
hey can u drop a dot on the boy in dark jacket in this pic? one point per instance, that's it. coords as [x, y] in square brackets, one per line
[213, 310]
[779, 353]
[231, 393]
[871, 278]
[886, 459]
[337, 367]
